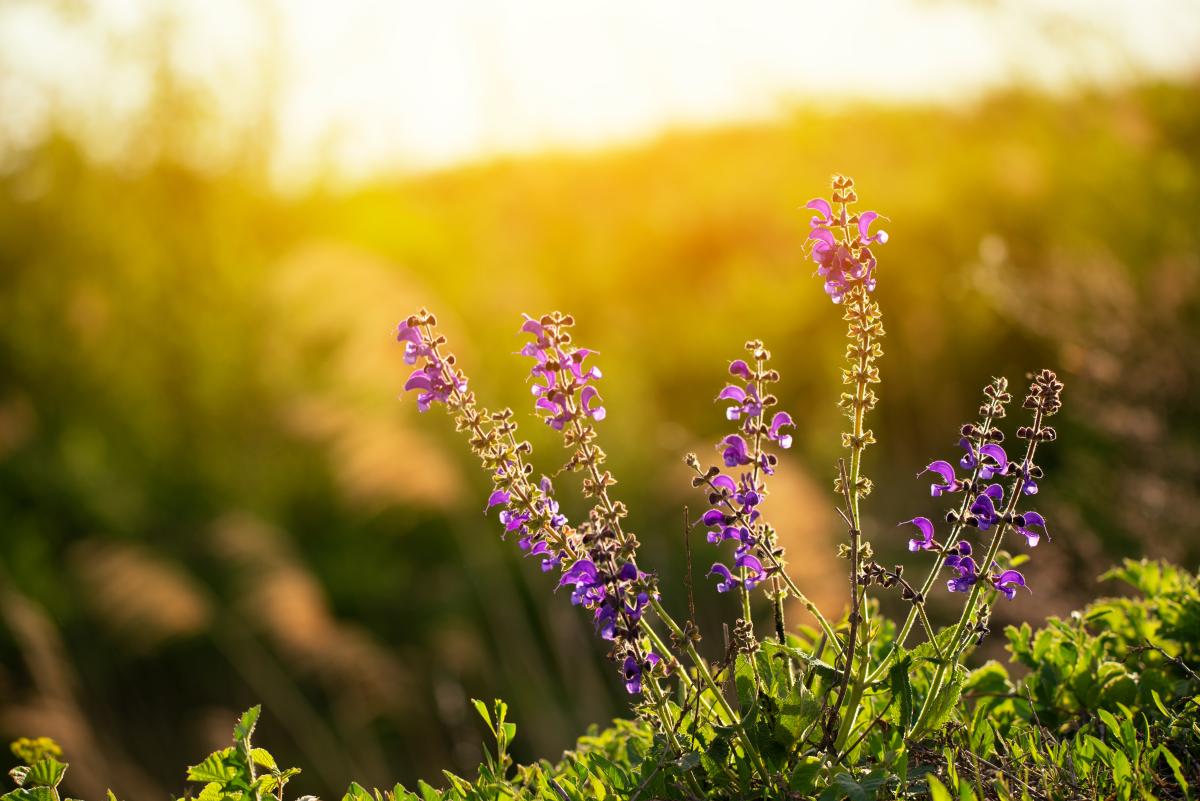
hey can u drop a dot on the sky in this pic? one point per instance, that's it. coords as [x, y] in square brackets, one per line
[364, 86]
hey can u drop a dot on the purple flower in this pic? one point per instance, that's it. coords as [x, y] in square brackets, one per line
[728, 580]
[514, 520]
[821, 207]
[498, 498]
[753, 567]
[431, 385]
[990, 459]
[1028, 485]
[1023, 523]
[864, 226]
[735, 453]
[586, 398]
[738, 367]
[847, 261]
[632, 671]
[1007, 583]
[415, 346]
[964, 565]
[744, 402]
[576, 365]
[774, 434]
[984, 507]
[589, 588]
[925, 542]
[949, 482]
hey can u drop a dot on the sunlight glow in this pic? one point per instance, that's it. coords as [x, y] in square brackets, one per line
[379, 84]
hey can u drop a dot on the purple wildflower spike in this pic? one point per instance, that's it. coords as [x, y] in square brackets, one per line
[844, 260]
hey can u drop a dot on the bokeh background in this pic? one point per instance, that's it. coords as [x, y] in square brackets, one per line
[213, 214]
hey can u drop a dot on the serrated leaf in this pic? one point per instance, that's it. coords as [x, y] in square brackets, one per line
[902, 691]
[245, 725]
[744, 681]
[942, 706]
[46, 772]
[213, 769]
[213, 791]
[263, 758]
[31, 794]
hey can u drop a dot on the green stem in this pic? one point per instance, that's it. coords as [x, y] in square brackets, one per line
[858, 445]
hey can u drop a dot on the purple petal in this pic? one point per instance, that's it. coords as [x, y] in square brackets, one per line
[780, 420]
[498, 498]
[740, 368]
[724, 482]
[418, 380]
[925, 526]
[821, 206]
[732, 393]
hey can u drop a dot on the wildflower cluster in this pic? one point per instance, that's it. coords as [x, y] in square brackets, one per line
[834, 683]
[841, 241]
[983, 506]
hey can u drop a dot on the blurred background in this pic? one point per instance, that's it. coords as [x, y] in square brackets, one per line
[212, 214]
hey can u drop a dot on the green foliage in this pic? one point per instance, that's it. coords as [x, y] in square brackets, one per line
[1107, 708]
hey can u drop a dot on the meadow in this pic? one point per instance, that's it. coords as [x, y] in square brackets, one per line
[212, 497]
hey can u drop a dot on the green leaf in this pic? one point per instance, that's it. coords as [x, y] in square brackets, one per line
[937, 790]
[902, 692]
[213, 791]
[262, 757]
[743, 678]
[846, 786]
[245, 725]
[214, 769]
[1176, 768]
[428, 792]
[46, 772]
[31, 794]
[942, 706]
[482, 709]
[357, 793]
[798, 710]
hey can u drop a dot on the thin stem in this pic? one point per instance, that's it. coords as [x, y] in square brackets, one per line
[858, 444]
